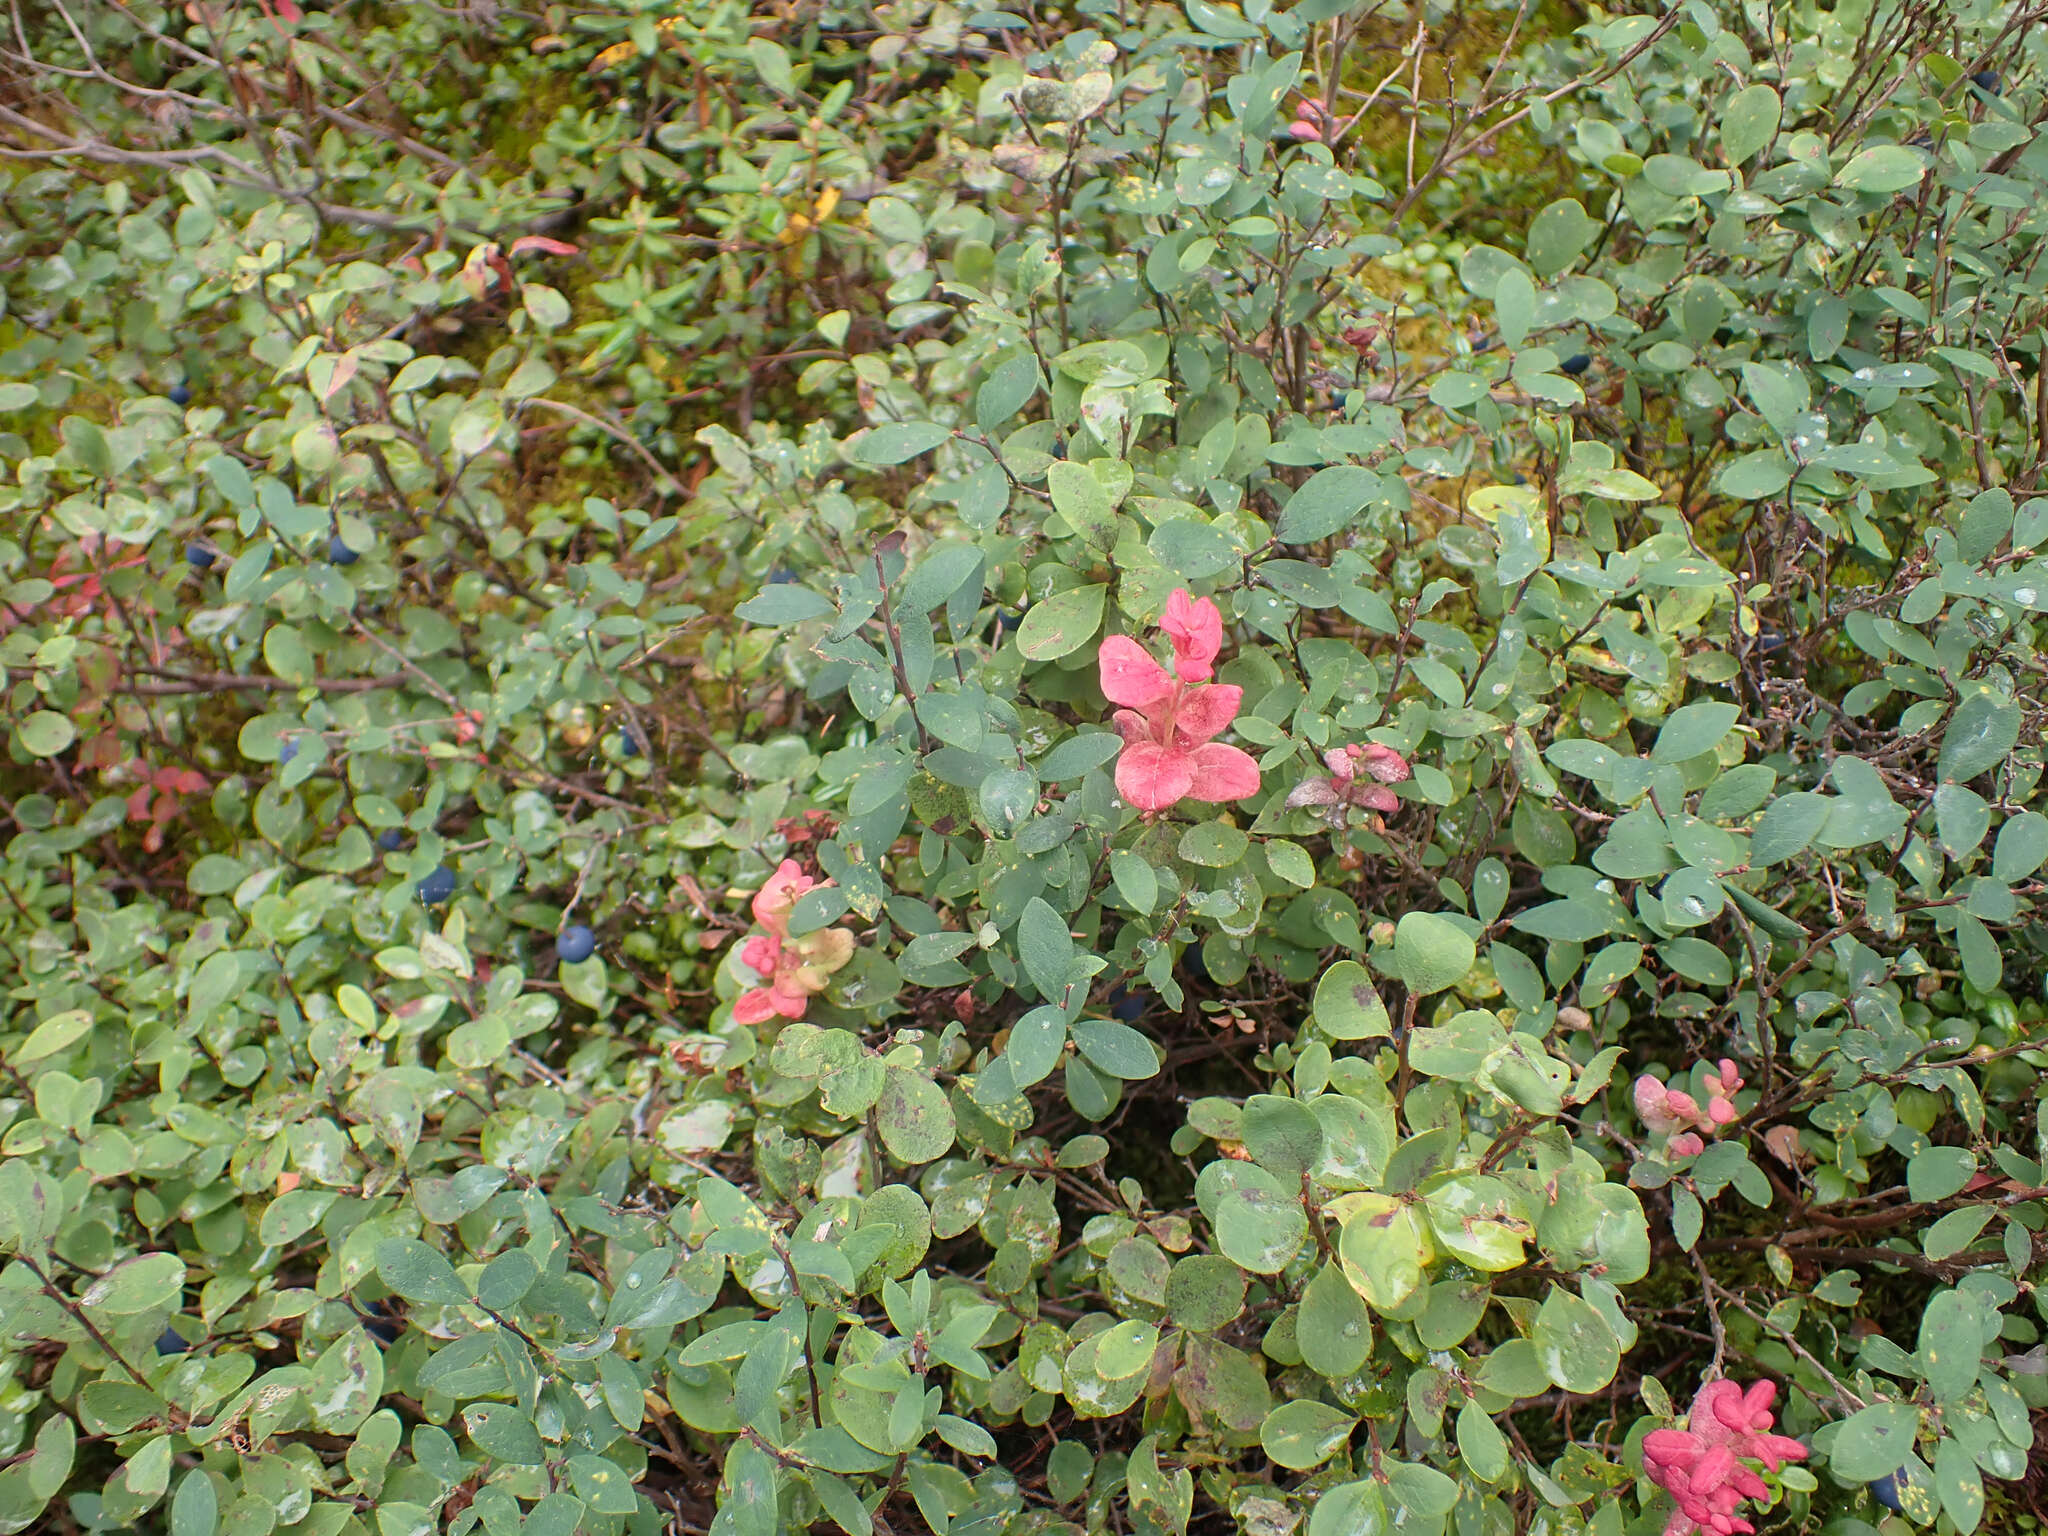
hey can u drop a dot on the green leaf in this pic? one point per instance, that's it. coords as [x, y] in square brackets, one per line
[1579, 1351]
[1046, 948]
[1303, 1434]
[1983, 961]
[771, 62]
[1514, 306]
[1384, 1247]
[419, 1272]
[56, 1449]
[1034, 1045]
[505, 1433]
[1006, 391]
[1259, 1222]
[1007, 798]
[137, 1285]
[784, 602]
[1351, 1509]
[1291, 862]
[232, 480]
[914, 1117]
[86, 441]
[2021, 848]
[1126, 1349]
[1084, 502]
[1749, 122]
[1951, 1345]
[1282, 1134]
[1431, 953]
[1063, 623]
[750, 1491]
[1693, 731]
[1348, 1006]
[1326, 503]
[195, 1507]
[967, 1437]
[1788, 825]
[1558, 235]
[1135, 880]
[1115, 1048]
[1874, 1442]
[842, 1504]
[56, 1033]
[1204, 1292]
[1959, 1484]
[1478, 1220]
[1980, 735]
[1954, 1232]
[1333, 1328]
[1213, 844]
[897, 442]
[1481, 1443]
[45, 733]
[1882, 168]
[1753, 476]
[1935, 1173]
[506, 1280]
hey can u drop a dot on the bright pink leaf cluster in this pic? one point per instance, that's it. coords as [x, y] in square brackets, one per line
[1666, 1110]
[1701, 1466]
[796, 969]
[1170, 720]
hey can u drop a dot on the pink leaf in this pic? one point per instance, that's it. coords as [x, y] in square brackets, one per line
[1204, 711]
[1195, 627]
[542, 243]
[1131, 676]
[1152, 777]
[1318, 792]
[1131, 725]
[763, 952]
[1384, 763]
[1222, 773]
[773, 901]
[755, 1007]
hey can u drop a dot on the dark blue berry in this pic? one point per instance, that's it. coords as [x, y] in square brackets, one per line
[286, 751]
[576, 944]
[1988, 81]
[181, 395]
[1577, 363]
[391, 840]
[339, 553]
[629, 744]
[781, 576]
[171, 1343]
[438, 886]
[1886, 1489]
[199, 557]
[1005, 622]
[1126, 1005]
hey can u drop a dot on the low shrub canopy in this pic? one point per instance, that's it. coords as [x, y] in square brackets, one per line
[1122, 768]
